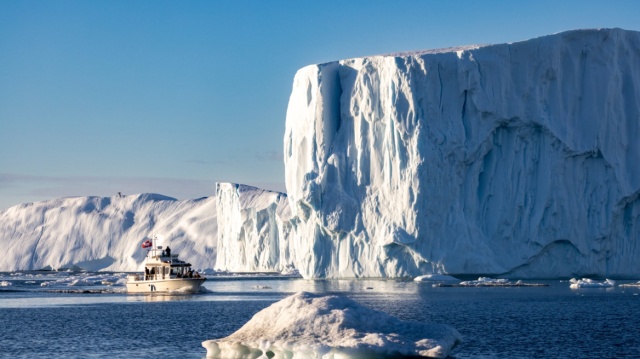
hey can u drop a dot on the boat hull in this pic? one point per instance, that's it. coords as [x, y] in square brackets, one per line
[180, 285]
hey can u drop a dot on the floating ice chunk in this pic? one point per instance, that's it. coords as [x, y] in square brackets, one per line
[631, 285]
[485, 281]
[305, 325]
[590, 283]
[5, 283]
[439, 278]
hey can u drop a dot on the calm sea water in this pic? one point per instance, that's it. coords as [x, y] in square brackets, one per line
[75, 318]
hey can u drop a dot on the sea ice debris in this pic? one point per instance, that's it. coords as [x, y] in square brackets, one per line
[490, 282]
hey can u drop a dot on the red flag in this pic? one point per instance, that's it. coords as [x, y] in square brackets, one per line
[146, 244]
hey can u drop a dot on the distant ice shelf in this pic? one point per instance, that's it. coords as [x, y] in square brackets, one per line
[105, 233]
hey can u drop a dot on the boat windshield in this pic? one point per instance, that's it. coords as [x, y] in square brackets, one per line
[180, 271]
[184, 272]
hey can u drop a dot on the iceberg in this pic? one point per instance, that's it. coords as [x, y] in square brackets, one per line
[514, 160]
[305, 325]
[105, 233]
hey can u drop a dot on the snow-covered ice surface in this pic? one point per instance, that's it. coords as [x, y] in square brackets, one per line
[305, 325]
[105, 233]
[518, 160]
[590, 283]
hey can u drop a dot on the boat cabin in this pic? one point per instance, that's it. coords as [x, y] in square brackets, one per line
[161, 264]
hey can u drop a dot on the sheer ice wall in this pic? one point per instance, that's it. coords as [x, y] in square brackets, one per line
[105, 233]
[518, 159]
[253, 229]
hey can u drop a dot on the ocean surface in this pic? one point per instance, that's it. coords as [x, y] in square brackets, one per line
[89, 315]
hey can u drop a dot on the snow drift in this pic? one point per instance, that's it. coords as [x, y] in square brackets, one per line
[310, 326]
[518, 160]
[105, 233]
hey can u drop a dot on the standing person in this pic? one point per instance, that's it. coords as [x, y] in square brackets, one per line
[168, 251]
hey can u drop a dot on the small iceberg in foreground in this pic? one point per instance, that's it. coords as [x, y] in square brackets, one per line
[590, 283]
[306, 325]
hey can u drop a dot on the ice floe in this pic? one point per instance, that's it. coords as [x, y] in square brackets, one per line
[306, 325]
[590, 283]
[436, 278]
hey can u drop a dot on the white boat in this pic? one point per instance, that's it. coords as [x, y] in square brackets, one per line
[164, 272]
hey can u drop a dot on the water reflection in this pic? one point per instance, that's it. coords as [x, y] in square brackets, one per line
[294, 285]
[160, 297]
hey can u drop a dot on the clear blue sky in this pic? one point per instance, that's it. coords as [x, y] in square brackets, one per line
[169, 97]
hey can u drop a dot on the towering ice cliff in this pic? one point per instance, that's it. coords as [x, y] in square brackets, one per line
[106, 233]
[519, 159]
[253, 229]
